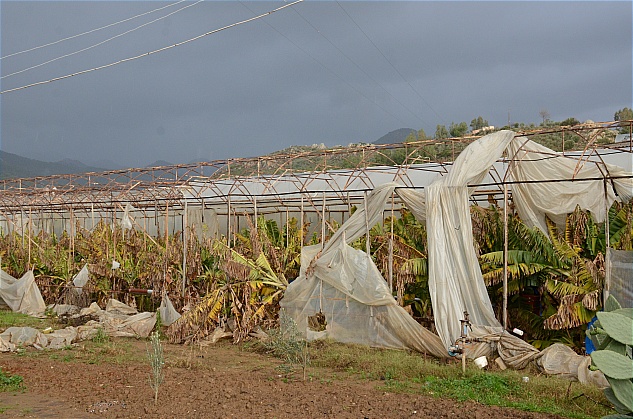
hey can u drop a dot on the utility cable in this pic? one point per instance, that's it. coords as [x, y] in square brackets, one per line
[102, 42]
[359, 67]
[392, 66]
[91, 31]
[332, 72]
[124, 60]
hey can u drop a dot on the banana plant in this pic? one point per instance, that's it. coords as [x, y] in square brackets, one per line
[244, 288]
[612, 334]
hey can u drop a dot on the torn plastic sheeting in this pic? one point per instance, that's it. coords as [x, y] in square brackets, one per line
[21, 295]
[168, 313]
[562, 361]
[455, 280]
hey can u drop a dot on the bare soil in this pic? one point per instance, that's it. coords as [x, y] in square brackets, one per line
[219, 381]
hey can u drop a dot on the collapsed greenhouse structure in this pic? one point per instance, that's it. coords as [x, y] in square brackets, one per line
[337, 196]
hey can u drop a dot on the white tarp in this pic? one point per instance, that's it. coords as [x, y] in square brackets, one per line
[535, 198]
[168, 313]
[127, 219]
[341, 280]
[75, 293]
[21, 295]
[118, 319]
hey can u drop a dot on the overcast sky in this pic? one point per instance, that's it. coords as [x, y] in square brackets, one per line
[318, 72]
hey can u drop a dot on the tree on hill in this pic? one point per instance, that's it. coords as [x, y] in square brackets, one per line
[478, 123]
[441, 132]
[415, 136]
[458, 130]
[625, 114]
[569, 122]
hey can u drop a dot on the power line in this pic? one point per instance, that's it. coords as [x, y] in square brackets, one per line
[152, 52]
[359, 67]
[91, 31]
[330, 70]
[100, 43]
[392, 66]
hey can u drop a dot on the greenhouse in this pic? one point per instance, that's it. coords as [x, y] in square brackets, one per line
[354, 235]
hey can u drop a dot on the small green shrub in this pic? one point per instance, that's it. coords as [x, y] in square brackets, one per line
[286, 342]
[101, 336]
[156, 361]
[10, 382]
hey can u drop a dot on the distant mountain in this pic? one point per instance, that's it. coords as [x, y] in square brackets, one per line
[397, 136]
[14, 166]
[159, 163]
[106, 164]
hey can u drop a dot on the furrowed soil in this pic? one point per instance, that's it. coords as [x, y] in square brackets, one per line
[220, 381]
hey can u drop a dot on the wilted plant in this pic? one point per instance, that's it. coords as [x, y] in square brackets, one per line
[156, 361]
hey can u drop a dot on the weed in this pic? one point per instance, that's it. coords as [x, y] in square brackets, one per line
[101, 336]
[156, 361]
[285, 342]
[10, 382]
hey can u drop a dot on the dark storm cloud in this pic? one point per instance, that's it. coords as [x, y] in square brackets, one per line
[277, 81]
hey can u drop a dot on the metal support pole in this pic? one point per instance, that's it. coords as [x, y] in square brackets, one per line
[184, 249]
[302, 221]
[367, 243]
[228, 222]
[255, 208]
[391, 252]
[505, 255]
[607, 238]
[28, 267]
[323, 223]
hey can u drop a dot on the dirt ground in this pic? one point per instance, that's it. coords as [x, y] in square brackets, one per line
[220, 381]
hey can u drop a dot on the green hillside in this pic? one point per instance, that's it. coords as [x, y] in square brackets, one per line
[14, 166]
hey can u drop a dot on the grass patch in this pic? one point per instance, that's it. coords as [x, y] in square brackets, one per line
[101, 336]
[401, 371]
[9, 318]
[112, 351]
[10, 382]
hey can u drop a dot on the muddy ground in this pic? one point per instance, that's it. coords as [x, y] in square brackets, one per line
[220, 381]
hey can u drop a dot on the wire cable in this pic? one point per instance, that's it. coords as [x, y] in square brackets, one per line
[102, 42]
[392, 66]
[124, 60]
[91, 31]
[330, 70]
[359, 67]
